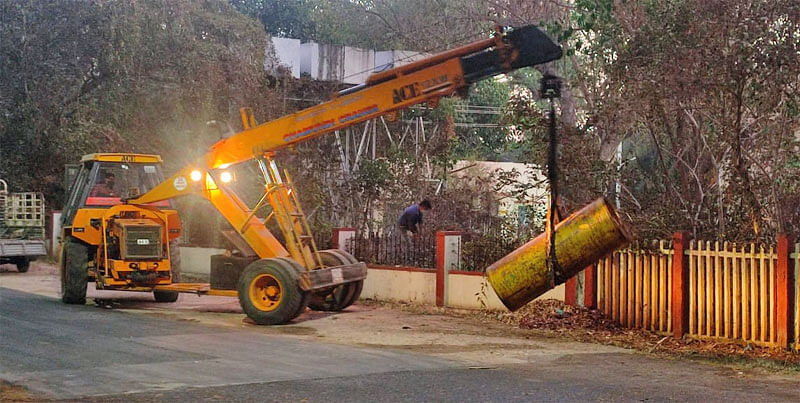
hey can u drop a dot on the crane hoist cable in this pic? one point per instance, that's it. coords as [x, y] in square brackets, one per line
[550, 89]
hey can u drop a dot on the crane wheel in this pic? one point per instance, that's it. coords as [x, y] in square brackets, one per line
[342, 296]
[23, 264]
[269, 292]
[289, 263]
[73, 270]
[355, 286]
[175, 265]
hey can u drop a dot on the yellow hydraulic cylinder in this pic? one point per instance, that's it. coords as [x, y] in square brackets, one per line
[581, 239]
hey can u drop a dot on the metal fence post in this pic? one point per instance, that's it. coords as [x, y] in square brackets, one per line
[784, 292]
[680, 284]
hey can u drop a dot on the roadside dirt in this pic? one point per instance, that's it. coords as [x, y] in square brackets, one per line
[13, 393]
[555, 318]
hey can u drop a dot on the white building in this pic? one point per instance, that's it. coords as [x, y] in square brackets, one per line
[345, 64]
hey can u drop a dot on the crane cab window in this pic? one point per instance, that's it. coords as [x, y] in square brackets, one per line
[112, 182]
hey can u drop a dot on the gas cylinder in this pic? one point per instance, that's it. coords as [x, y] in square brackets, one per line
[581, 239]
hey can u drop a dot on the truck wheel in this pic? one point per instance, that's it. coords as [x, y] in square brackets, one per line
[341, 296]
[74, 273]
[175, 264]
[269, 292]
[23, 264]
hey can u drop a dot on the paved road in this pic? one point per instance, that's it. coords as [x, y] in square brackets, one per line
[71, 352]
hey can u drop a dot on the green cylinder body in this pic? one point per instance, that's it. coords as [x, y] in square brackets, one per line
[581, 240]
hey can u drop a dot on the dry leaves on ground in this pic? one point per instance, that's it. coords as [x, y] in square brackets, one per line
[553, 316]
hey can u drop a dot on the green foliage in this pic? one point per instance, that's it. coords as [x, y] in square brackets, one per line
[486, 247]
[373, 176]
[695, 85]
[702, 94]
[81, 77]
[284, 18]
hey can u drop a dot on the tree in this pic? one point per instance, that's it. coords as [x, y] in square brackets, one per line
[145, 76]
[284, 18]
[708, 90]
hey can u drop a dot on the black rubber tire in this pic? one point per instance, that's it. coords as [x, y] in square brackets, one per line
[291, 295]
[23, 264]
[306, 295]
[74, 271]
[341, 296]
[175, 265]
[357, 286]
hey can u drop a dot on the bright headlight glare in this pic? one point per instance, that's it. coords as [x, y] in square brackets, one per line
[226, 177]
[196, 175]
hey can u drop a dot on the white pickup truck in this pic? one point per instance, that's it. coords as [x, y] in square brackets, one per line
[21, 227]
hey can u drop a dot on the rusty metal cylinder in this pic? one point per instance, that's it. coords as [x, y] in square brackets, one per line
[581, 240]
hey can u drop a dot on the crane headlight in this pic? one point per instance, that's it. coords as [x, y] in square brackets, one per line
[225, 177]
[196, 175]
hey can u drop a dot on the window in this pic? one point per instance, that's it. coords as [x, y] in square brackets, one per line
[112, 182]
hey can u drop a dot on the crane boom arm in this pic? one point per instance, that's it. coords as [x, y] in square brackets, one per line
[385, 92]
[425, 80]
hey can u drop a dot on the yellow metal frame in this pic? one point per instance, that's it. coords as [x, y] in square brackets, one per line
[96, 235]
[196, 288]
[122, 157]
[290, 217]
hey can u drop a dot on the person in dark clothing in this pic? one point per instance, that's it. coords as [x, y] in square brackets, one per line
[412, 217]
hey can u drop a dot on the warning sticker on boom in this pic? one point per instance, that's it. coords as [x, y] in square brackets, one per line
[179, 183]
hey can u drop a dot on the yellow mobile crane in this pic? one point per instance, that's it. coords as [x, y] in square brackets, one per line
[125, 240]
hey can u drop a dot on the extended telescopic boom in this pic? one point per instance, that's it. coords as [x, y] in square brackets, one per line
[425, 80]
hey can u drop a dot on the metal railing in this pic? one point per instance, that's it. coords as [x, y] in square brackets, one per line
[396, 249]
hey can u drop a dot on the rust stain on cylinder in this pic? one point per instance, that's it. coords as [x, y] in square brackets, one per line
[581, 239]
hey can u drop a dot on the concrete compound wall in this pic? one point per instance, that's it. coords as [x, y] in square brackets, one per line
[468, 290]
[54, 231]
[462, 289]
[287, 53]
[443, 286]
[400, 284]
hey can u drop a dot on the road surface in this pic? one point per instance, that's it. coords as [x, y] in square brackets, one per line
[143, 351]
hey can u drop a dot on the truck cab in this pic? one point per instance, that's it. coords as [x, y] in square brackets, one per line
[117, 245]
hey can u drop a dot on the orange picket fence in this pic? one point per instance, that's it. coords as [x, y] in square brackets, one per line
[731, 291]
[634, 287]
[749, 293]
